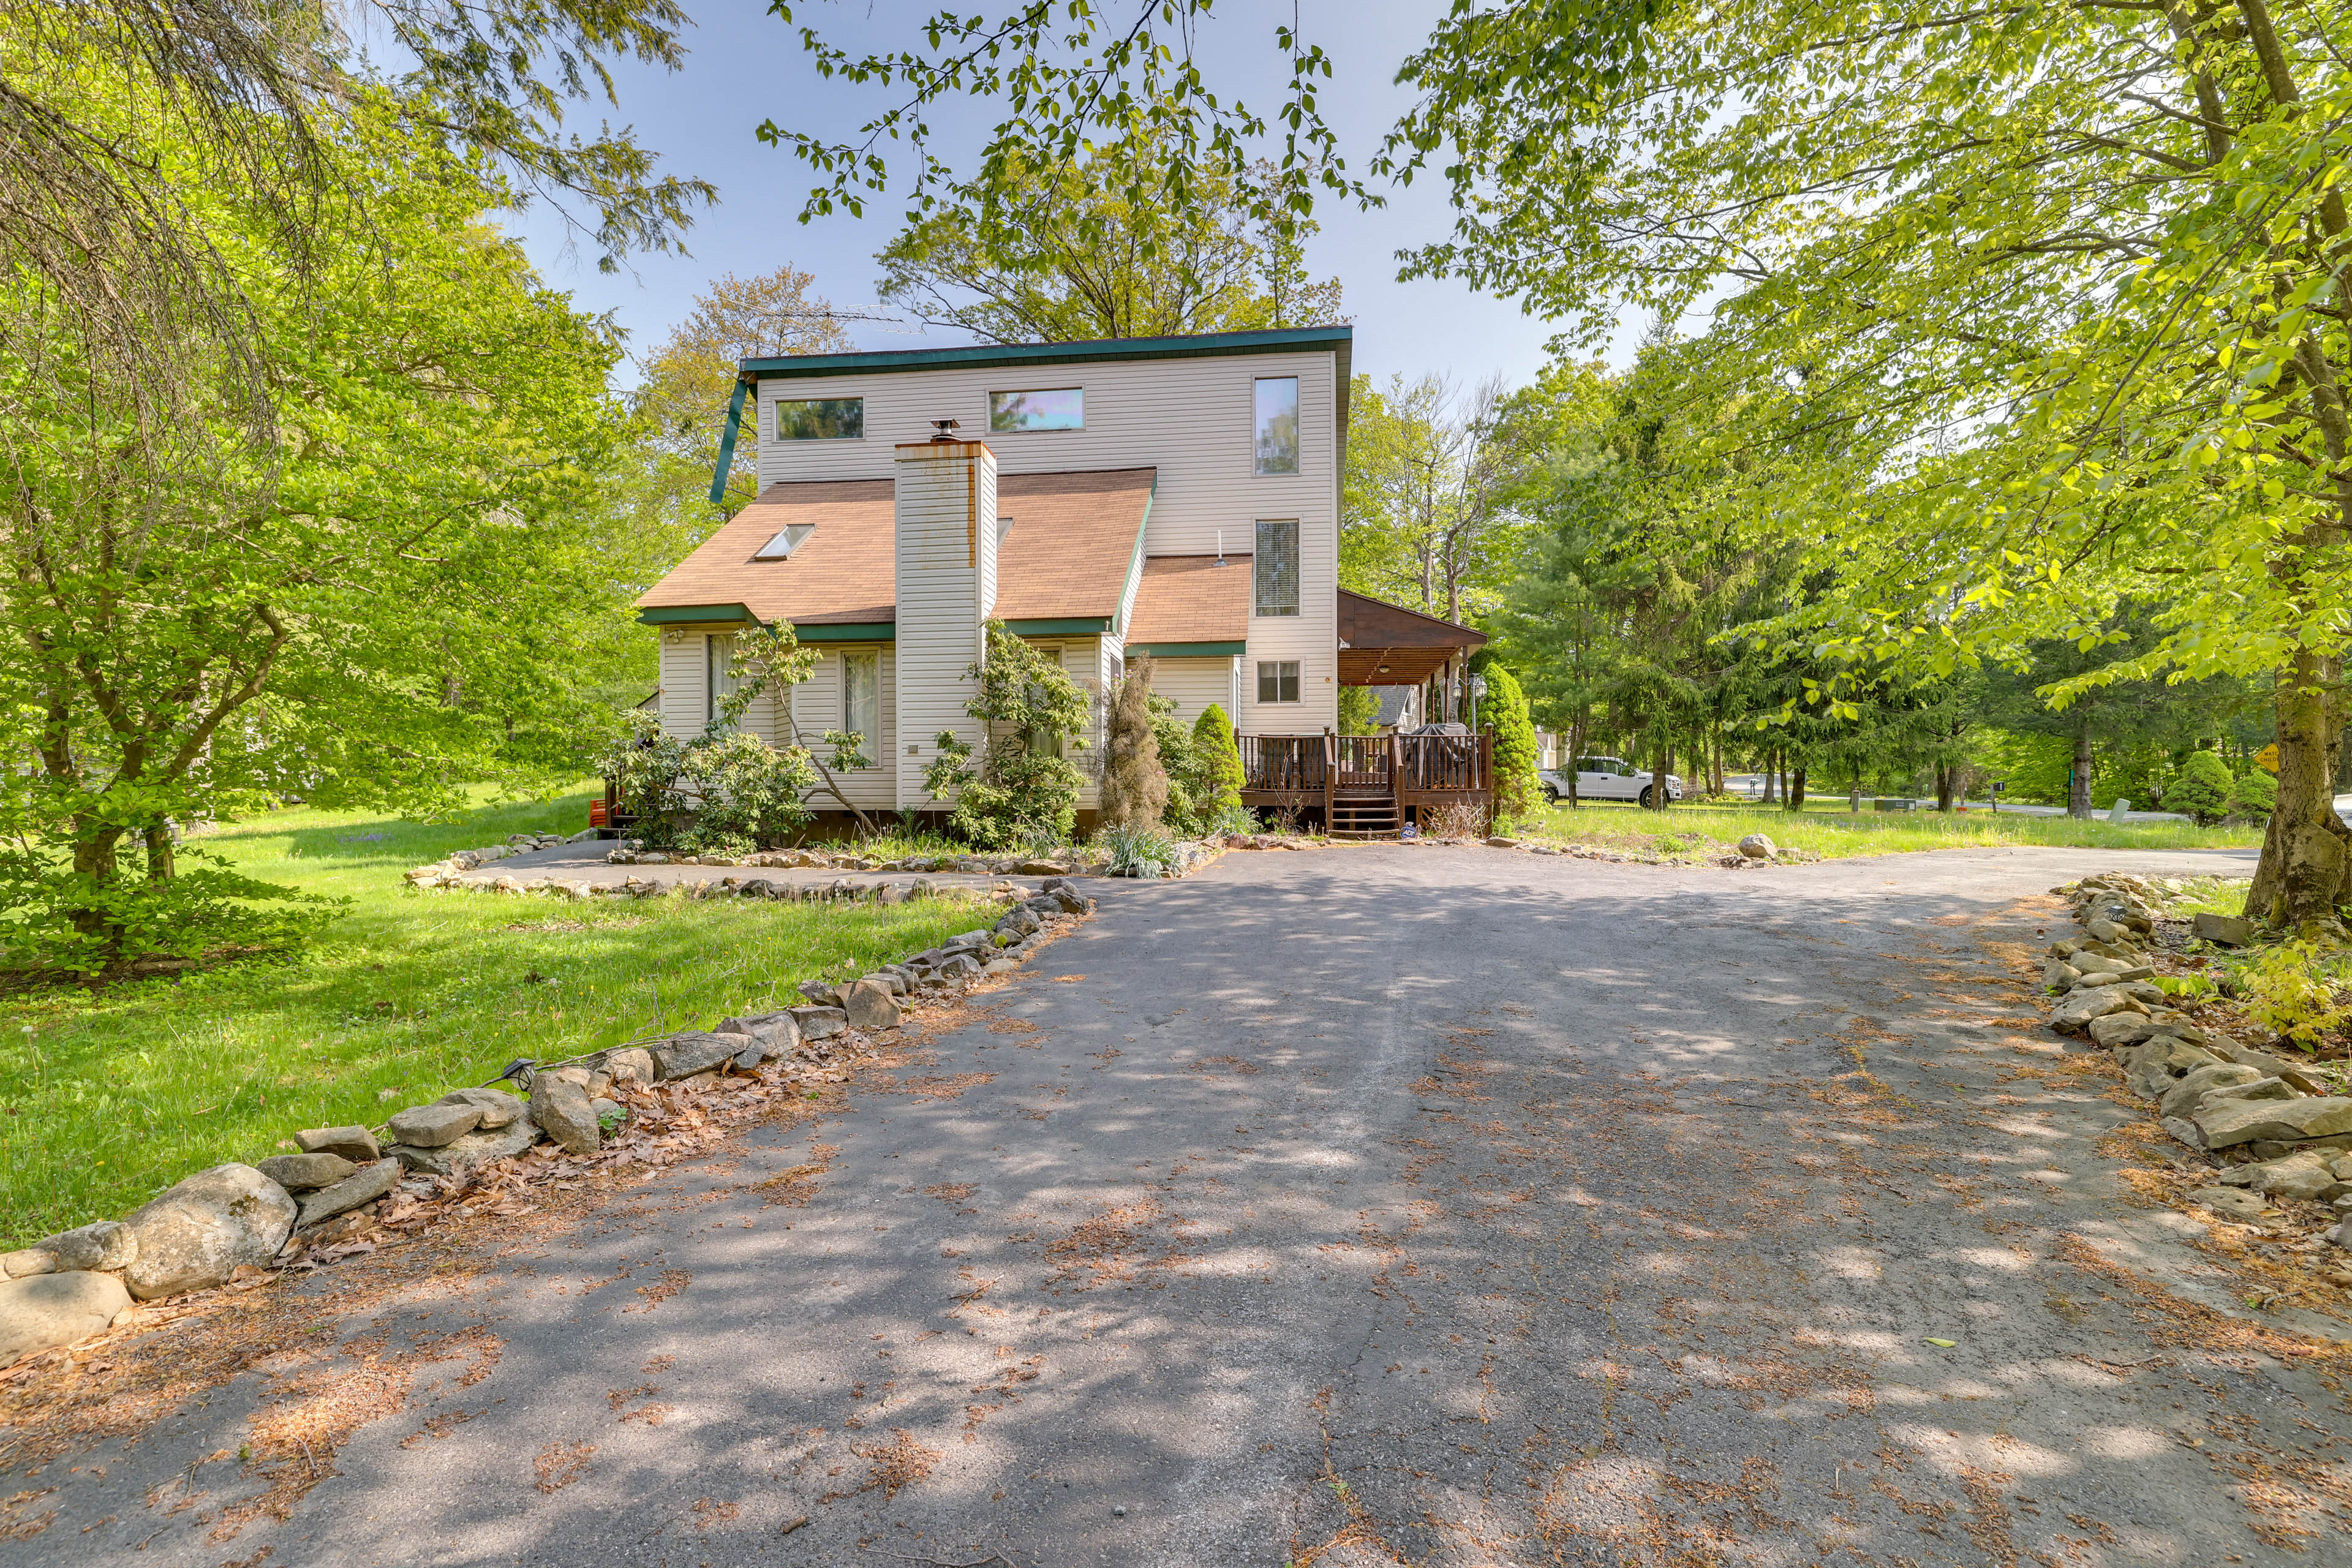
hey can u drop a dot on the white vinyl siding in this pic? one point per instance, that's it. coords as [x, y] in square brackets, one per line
[946, 527]
[818, 704]
[1193, 420]
[1194, 683]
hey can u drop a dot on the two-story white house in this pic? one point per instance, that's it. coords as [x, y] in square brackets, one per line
[1175, 496]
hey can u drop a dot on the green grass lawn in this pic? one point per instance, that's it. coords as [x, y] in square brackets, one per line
[1835, 832]
[107, 1097]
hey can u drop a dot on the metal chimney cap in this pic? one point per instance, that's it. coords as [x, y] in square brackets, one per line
[946, 428]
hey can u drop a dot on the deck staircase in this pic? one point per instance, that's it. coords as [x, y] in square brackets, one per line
[1364, 814]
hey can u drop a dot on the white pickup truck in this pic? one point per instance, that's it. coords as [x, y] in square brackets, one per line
[1605, 778]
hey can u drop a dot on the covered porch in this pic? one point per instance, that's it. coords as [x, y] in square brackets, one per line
[1369, 786]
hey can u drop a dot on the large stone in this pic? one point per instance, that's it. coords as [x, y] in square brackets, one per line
[306, 1173]
[1758, 846]
[27, 1261]
[2122, 1028]
[473, 1149]
[498, 1106]
[431, 1126]
[634, 1061]
[2104, 930]
[2184, 1097]
[2231, 1203]
[1023, 921]
[2304, 1175]
[107, 1245]
[683, 1056]
[200, 1231]
[42, 1311]
[2259, 1089]
[2276, 1067]
[777, 1033]
[563, 1112]
[2287, 1121]
[868, 1005]
[362, 1187]
[2225, 931]
[356, 1144]
[823, 1023]
[2086, 1002]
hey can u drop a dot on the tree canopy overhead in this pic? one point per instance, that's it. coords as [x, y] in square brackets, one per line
[1069, 257]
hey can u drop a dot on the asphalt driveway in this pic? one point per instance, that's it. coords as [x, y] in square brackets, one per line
[1381, 1205]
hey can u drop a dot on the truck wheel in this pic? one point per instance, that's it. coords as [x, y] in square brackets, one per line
[1645, 797]
[1551, 795]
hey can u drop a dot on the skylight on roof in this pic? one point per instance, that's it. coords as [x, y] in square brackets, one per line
[785, 542]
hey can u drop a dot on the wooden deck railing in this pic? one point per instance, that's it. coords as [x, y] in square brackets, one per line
[1444, 764]
[1412, 770]
[1287, 764]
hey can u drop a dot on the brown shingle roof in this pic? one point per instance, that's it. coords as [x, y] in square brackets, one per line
[1073, 536]
[841, 573]
[1190, 598]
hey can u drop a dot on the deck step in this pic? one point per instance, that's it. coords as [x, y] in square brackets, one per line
[1364, 815]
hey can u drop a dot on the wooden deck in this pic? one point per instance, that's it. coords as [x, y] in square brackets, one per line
[1368, 787]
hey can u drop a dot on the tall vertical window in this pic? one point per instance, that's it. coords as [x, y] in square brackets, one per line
[1277, 425]
[1278, 681]
[1274, 568]
[718, 685]
[861, 698]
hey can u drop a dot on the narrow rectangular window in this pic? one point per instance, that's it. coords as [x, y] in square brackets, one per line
[1278, 681]
[861, 698]
[717, 684]
[1056, 408]
[1274, 568]
[1277, 425]
[821, 419]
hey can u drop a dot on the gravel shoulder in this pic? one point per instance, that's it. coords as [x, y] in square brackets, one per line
[1449, 1206]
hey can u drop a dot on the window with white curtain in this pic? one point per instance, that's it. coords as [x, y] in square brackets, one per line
[861, 698]
[718, 685]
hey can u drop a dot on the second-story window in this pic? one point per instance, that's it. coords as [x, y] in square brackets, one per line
[1055, 408]
[821, 419]
[1274, 570]
[1277, 425]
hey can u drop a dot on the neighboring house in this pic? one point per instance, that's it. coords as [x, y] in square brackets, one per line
[1174, 496]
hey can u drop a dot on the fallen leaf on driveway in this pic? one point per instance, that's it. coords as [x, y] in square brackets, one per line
[1947, 1344]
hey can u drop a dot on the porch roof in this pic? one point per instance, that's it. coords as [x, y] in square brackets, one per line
[1191, 605]
[1382, 643]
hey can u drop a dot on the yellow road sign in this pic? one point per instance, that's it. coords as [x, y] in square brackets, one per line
[2267, 759]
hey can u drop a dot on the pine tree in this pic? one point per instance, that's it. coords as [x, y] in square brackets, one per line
[1215, 734]
[1517, 794]
[1134, 789]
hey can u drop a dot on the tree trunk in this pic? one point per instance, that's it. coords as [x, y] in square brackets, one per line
[2301, 875]
[1944, 771]
[1664, 765]
[1575, 754]
[1771, 777]
[163, 863]
[1797, 789]
[2078, 788]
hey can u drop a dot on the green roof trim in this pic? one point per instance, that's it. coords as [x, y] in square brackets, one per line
[848, 631]
[1190, 650]
[1207, 345]
[673, 614]
[1085, 625]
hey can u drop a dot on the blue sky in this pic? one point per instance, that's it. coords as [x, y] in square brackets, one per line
[747, 67]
